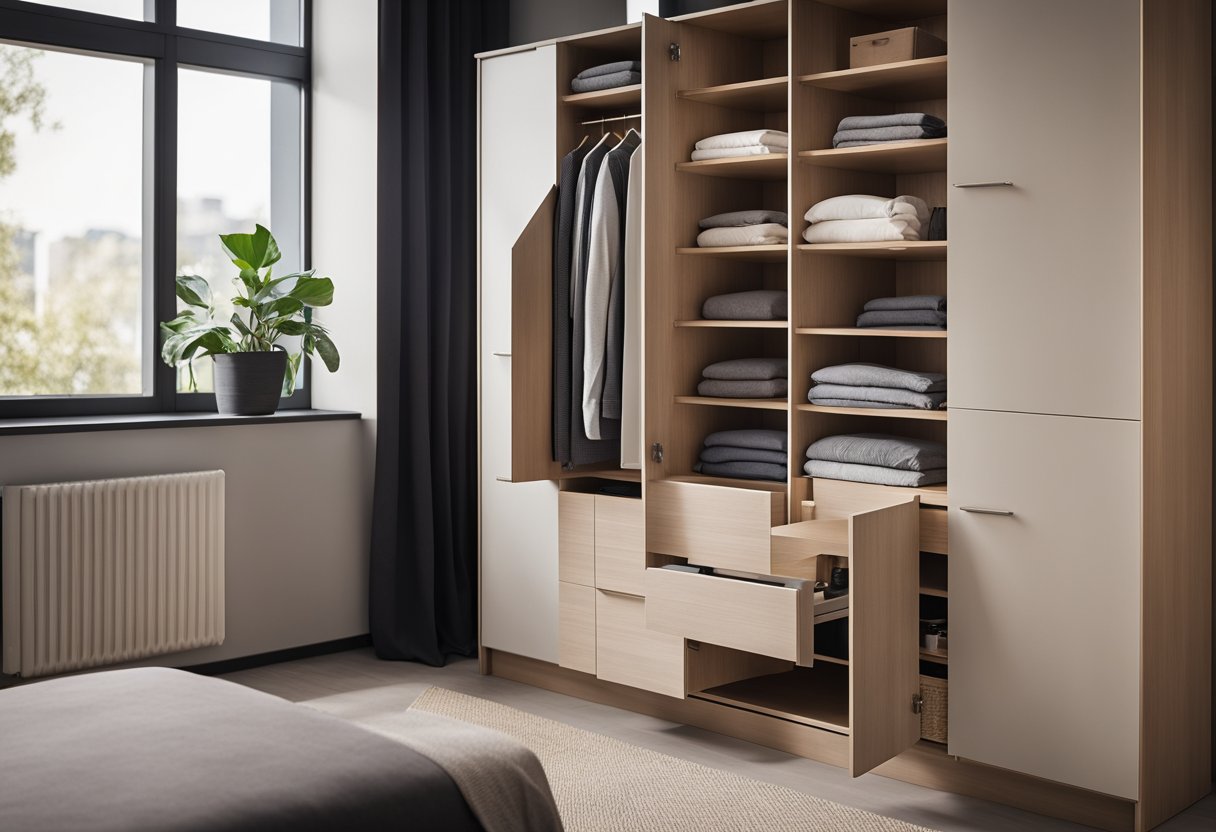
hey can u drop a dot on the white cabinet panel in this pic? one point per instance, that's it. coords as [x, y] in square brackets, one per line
[1045, 603]
[1045, 275]
[519, 598]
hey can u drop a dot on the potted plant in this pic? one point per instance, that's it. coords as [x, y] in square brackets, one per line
[251, 368]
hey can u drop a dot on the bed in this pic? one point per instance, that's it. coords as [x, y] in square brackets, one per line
[154, 748]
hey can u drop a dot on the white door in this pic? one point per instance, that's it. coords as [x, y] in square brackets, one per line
[1044, 635]
[518, 520]
[1044, 302]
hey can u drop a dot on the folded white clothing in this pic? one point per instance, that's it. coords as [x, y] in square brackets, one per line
[732, 152]
[764, 234]
[894, 229]
[746, 138]
[866, 207]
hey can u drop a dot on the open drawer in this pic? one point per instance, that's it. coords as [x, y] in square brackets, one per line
[714, 525]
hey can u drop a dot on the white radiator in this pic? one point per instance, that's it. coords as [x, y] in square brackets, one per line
[109, 571]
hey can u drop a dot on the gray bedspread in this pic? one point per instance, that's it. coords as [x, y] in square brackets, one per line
[828, 394]
[160, 749]
[873, 474]
[881, 450]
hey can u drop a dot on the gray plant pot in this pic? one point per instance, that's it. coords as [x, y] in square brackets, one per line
[249, 383]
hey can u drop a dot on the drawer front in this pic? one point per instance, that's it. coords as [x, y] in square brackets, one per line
[576, 627]
[772, 621]
[629, 654]
[620, 544]
[713, 525]
[576, 538]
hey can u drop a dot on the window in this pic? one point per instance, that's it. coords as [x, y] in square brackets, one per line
[126, 146]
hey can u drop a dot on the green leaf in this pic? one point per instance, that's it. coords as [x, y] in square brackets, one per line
[252, 251]
[193, 290]
[293, 369]
[208, 339]
[327, 350]
[280, 307]
[275, 288]
[313, 291]
[241, 326]
[252, 282]
[290, 326]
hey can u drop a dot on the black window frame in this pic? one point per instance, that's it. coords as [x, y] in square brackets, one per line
[169, 47]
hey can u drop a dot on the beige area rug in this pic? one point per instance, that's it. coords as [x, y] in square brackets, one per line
[601, 783]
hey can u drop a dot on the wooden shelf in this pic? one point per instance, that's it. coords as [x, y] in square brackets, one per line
[733, 482]
[919, 156]
[871, 332]
[907, 250]
[622, 474]
[753, 404]
[930, 495]
[819, 657]
[884, 412]
[918, 80]
[767, 166]
[765, 95]
[935, 656]
[612, 99]
[817, 696]
[934, 591]
[734, 324]
[755, 254]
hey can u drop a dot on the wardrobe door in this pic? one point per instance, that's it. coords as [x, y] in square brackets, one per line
[1044, 230]
[519, 576]
[1045, 596]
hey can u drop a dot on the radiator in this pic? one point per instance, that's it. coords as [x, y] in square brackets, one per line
[109, 571]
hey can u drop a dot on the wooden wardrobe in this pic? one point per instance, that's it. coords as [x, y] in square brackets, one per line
[1070, 549]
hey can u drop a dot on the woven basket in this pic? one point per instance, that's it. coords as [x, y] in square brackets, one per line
[933, 713]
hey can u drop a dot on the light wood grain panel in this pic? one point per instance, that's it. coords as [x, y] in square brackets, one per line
[817, 696]
[576, 627]
[713, 525]
[883, 413]
[709, 665]
[907, 250]
[765, 166]
[532, 348]
[617, 98]
[576, 538]
[629, 654]
[763, 94]
[796, 548]
[757, 618]
[921, 156]
[899, 81]
[934, 531]
[620, 544]
[1176, 601]
[840, 491]
[884, 606]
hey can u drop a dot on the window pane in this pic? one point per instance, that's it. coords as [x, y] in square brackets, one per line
[130, 9]
[272, 20]
[231, 179]
[74, 252]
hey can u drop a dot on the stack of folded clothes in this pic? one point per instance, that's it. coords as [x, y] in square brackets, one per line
[873, 385]
[745, 454]
[608, 76]
[757, 305]
[856, 131]
[860, 218]
[747, 143]
[745, 378]
[907, 312]
[879, 459]
[744, 228]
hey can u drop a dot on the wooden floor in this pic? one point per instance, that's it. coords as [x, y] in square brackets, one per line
[356, 683]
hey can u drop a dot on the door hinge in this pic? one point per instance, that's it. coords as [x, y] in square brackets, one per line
[673, 51]
[918, 703]
[656, 452]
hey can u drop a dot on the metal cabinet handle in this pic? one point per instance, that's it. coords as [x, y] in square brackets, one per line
[501, 354]
[982, 184]
[503, 479]
[996, 511]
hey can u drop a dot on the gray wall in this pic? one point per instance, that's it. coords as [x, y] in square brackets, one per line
[533, 20]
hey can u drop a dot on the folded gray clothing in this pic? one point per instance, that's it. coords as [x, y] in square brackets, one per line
[880, 449]
[902, 317]
[757, 438]
[610, 69]
[934, 303]
[743, 389]
[876, 375]
[748, 369]
[758, 305]
[606, 82]
[734, 219]
[872, 142]
[874, 474]
[855, 403]
[728, 453]
[875, 397]
[892, 120]
[910, 327]
[888, 134]
[743, 470]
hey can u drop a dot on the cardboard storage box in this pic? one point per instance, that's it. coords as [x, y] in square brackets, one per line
[895, 45]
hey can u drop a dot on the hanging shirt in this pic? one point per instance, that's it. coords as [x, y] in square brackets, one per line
[563, 245]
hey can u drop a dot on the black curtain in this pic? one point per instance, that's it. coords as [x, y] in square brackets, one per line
[424, 523]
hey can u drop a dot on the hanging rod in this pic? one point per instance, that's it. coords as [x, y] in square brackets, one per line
[612, 118]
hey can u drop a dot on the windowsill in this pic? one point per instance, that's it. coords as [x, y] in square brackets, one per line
[150, 421]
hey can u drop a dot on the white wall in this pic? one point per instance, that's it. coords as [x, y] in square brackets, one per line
[533, 20]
